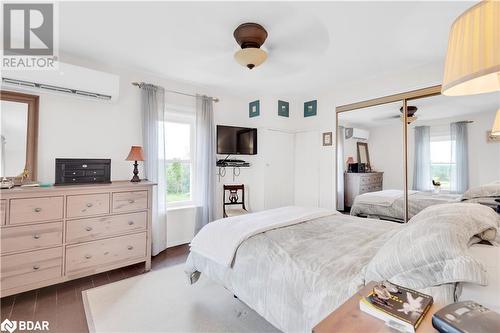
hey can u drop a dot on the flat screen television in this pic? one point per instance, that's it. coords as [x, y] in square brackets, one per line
[233, 140]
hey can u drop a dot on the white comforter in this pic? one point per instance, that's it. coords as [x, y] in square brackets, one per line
[219, 240]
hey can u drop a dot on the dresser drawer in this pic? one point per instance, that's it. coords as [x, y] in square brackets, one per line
[130, 201]
[369, 188]
[31, 237]
[99, 255]
[87, 205]
[100, 227]
[35, 210]
[3, 210]
[30, 267]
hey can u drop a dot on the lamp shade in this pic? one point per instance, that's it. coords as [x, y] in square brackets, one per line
[473, 58]
[136, 154]
[496, 124]
[250, 57]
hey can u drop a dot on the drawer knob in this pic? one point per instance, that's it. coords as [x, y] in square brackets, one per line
[88, 256]
[36, 267]
[130, 222]
[130, 247]
[36, 236]
[88, 228]
[89, 205]
[131, 201]
[37, 210]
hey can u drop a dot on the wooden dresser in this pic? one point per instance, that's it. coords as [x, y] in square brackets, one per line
[359, 183]
[56, 234]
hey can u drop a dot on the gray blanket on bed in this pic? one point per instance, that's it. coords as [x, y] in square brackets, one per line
[295, 276]
[416, 203]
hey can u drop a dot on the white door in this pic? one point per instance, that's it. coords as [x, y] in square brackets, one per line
[279, 168]
[307, 168]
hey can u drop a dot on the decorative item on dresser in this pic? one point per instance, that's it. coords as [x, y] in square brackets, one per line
[56, 234]
[136, 154]
[359, 183]
[82, 171]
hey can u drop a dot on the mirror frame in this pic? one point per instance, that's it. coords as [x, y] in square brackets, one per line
[364, 144]
[403, 97]
[31, 133]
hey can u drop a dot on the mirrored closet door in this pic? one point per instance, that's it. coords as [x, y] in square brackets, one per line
[392, 164]
[370, 160]
[450, 149]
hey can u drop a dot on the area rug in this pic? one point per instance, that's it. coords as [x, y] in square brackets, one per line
[164, 301]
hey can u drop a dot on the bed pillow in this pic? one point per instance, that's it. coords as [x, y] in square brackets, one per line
[488, 190]
[432, 248]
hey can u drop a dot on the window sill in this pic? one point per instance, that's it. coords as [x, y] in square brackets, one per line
[182, 207]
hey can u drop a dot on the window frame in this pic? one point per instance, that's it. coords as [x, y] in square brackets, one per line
[451, 163]
[183, 116]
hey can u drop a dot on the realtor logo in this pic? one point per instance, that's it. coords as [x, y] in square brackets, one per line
[28, 29]
[8, 325]
[24, 325]
[29, 36]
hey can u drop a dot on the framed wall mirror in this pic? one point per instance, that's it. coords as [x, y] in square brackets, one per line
[19, 133]
[363, 155]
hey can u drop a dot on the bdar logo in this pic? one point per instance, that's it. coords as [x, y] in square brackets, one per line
[8, 325]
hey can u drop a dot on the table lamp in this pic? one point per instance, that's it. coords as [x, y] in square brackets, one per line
[136, 154]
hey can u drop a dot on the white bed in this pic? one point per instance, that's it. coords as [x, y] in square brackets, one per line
[294, 271]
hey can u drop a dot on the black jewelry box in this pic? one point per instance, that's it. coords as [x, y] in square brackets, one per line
[82, 171]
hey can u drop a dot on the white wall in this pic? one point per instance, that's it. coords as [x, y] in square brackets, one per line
[386, 154]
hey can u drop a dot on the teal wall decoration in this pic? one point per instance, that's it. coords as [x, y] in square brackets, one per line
[254, 109]
[310, 108]
[283, 109]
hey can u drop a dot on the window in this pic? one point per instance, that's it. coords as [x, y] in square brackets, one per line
[442, 163]
[179, 136]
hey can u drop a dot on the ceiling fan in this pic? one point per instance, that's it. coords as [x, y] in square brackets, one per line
[410, 116]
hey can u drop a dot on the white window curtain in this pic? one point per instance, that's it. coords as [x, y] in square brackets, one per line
[422, 179]
[459, 180]
[153, 132]
[340, 167]
[205, 160]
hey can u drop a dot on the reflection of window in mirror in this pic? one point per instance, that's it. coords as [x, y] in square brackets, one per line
[14, 119]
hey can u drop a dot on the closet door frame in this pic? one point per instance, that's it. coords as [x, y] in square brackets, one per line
[403, 97]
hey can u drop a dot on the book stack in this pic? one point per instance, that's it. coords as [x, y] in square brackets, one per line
[401, 308]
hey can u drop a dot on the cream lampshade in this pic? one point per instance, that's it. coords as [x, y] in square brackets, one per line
[496, 125]
[473, 58]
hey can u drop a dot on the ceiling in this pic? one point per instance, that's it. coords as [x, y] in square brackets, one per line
[313, 47]
[431, 108]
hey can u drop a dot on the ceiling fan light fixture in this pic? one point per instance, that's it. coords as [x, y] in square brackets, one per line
[250, 37]
[250, 57]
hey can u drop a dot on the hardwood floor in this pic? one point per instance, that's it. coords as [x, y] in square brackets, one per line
[62, 304]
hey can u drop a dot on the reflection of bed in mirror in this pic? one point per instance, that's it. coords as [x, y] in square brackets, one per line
[448, 153]
[389, 204]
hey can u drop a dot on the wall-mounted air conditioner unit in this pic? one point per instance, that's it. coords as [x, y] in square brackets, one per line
[356, 133]
[68, 79]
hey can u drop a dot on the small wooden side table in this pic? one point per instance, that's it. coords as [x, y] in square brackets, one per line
[349, 318]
